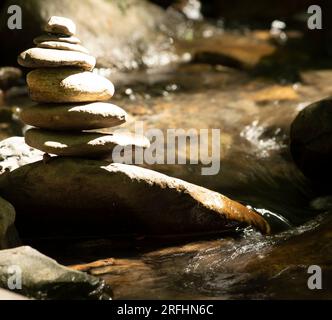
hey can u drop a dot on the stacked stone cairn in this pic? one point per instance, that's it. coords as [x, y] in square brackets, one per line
[70, 98]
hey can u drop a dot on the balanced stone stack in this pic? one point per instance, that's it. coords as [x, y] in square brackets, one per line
[70, 97]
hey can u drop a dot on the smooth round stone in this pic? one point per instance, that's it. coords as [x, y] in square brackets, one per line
[57, 38]
[62, 46]
[81, 144]
[41, 57]
[68, 85]
[74, 117]
[60, 25]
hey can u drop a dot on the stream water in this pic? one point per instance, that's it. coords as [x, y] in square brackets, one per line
[254, 114]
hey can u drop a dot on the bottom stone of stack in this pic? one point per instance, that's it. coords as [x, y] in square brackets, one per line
[82, 144]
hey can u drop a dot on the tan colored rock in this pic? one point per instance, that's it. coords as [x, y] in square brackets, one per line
[51, 58]
[86, 116]
[102, 198]
[62, 46]
[60, 25]
[68, 85]
[57, 38]
[81, 144]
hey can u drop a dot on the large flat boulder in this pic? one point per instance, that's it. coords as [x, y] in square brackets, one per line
[89, 197]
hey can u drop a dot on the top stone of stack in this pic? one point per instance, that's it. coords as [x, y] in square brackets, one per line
[60, 25]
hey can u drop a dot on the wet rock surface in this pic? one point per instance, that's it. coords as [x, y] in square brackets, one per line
[44, 278]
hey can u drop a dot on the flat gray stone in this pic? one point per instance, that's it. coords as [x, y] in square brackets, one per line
[81, 144]
[51, 58]
[43, 278]
[60, 25]
[68, 85]
[58, 45]
[86, 116]
[56, 38]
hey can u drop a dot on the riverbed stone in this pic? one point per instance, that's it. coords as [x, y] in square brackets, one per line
[60, 25]
[94, 197]
[56, 38]
[43, 278]
[41, 57]
[68, 85]
[81, 144]
[58, 45]
[311, 141]
[85, 116]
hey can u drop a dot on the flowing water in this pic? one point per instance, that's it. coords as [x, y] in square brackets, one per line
[254, 114]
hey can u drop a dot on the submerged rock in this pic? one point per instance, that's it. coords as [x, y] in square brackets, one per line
[89, 197]
[44, 278]
[311, 141]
